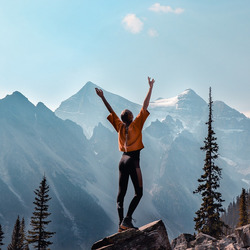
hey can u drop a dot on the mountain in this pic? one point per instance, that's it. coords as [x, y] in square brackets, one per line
[172, 160]
[84, 108]
[35, 142]
[79, 155]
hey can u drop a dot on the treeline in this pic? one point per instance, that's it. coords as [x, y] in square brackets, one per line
[237, 213]
[38, 236]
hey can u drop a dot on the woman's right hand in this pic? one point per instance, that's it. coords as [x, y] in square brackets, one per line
[99, 92]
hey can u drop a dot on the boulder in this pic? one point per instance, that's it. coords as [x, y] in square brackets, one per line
[228, 242]
[151, 236]
[182, 242]
[239, 240]
[243, 236]
[202, 239]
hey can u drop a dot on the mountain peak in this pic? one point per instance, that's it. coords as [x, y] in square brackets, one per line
[16, 101]
[17, 96]
[89, 83]
[189, 98]
[188, 92]
[43, 108]
[88, 86]
[221, 109]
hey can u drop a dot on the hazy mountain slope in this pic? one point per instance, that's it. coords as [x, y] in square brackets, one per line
[83, 173]
[35, 142]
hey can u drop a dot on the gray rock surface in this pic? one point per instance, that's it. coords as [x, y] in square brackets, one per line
[151, 236]
[243, 236]
[239, 240]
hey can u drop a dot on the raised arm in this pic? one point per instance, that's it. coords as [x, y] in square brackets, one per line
[148, 96]
[99, 92]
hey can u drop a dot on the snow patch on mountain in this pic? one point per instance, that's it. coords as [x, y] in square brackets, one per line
[231, 130]
[228, 161]
[246, 181]
[170, 102]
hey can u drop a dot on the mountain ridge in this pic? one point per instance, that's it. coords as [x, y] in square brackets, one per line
[34, 142]
[83, 170]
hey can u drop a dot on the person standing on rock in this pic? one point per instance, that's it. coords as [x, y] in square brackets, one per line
[130, 143]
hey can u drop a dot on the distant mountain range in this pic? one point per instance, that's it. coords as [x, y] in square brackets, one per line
[35, 142]
[76, 148]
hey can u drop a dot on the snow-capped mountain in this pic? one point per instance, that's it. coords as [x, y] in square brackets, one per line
[172, 160]
[80, 162]
[87, 110]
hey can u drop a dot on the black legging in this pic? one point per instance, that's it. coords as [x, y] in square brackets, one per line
[129, 166]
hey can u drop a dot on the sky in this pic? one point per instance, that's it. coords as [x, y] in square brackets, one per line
[50, 48]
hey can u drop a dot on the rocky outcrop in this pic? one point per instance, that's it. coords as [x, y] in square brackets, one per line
[243, 236]
[151, 236]
[183, 241]
[239, 240]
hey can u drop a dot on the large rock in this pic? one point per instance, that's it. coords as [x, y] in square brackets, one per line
[239, 240]
[204, 241]
[182, 242]
[243, 236]
[152, 236]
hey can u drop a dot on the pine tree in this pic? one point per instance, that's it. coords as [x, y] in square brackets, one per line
[23, 241]
[16, 237]
[208, 216]
[39, 236]
[243, 208]
[1, 236]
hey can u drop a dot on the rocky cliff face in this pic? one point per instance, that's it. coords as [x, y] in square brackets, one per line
[240, 239]
[151, 236]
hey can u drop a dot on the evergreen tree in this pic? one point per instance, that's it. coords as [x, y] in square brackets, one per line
[232, 216]
[16, 237]
[39, 236]
[243, 209]
[23, 241]
[1, 236]
[208, 216]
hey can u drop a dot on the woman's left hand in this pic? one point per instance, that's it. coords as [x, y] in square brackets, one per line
[151, 82]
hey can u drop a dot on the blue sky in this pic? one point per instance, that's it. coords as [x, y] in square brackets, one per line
[50, 49]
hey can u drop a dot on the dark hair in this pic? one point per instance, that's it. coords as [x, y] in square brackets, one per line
[124, 115]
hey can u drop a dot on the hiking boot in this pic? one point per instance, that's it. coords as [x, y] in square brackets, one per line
[120, 229]
[127, 223]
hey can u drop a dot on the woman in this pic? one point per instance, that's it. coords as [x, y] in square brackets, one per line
[130, 143]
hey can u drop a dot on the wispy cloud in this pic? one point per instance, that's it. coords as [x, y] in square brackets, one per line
[153, 33]
[165, 9]
[132, 23]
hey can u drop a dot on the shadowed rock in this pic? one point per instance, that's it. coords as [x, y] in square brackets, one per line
[151, 236]
[243, 236]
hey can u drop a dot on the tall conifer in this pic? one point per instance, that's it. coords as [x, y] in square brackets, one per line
[243, 207]
[16, 237]
[23, 240]
[208, 216]
[39, 236]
